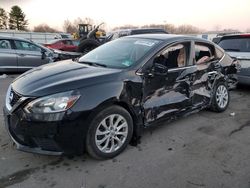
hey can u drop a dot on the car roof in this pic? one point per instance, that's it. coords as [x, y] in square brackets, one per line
[168, 37]
[148, 29]
[22, 39]
[14, 38]
[236, 35]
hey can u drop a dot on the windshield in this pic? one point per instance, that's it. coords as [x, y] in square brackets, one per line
[120, 53]
[235, 44]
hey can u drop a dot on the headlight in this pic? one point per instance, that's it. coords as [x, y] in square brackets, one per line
[53, 103]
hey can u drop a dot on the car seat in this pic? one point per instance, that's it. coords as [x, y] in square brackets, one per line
[172, 59]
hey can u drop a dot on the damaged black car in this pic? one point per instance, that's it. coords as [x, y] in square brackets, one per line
[101, 103]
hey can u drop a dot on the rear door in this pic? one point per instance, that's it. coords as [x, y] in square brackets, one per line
[8, 56]
[204, 59]
[28, 55]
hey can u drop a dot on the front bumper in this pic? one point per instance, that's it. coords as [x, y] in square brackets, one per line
[49, 138]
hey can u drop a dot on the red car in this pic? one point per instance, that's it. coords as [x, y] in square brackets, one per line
[63, 44]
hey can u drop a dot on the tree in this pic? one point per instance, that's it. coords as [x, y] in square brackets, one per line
[17, 19]
[44, 28]
[187, 29]
[68, 27]
[3, 19]
[72, 27]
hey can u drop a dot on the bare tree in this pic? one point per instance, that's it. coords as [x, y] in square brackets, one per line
[69, 27]
[88, 20]
[230, 30]
[170, 28]
[72, 26]
[44, 28]
[128, 26]
[187, 29]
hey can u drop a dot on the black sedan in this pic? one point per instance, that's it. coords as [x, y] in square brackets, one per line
[101, 103]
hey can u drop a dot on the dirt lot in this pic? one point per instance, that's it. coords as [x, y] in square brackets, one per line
[203, 150]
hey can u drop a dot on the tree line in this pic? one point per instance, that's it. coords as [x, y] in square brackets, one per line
[16, 20]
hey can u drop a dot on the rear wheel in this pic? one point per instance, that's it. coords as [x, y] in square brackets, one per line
[109, 133]
[220, 98]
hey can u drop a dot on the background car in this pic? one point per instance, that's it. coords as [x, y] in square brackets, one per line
[63, 44]
[91, 41]
[126, 32]
[238, 47]
[105, 99]
[19, 55]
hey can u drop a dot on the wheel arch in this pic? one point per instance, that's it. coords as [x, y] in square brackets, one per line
[137, 119]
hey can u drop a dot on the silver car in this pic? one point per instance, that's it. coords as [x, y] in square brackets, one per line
[238, 46]
[19, 55]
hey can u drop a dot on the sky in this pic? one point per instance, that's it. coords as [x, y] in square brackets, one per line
[204, 14]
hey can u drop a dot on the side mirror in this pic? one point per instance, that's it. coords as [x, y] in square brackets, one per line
[159, 70]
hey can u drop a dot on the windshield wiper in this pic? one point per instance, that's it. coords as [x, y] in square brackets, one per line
[93, 64]
[230, 49]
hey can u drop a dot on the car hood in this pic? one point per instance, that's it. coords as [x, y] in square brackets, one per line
[60, 76]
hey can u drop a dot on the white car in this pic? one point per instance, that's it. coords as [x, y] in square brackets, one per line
[238, 46]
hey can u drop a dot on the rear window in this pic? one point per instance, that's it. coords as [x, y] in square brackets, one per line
[236, 44]
[5, 44]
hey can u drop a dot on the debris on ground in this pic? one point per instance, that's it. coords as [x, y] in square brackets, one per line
[3, 76]
[232, 114]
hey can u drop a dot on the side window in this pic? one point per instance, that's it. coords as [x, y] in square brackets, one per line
[5, 44]
[203, 53]
[23, 45]
[174, 56]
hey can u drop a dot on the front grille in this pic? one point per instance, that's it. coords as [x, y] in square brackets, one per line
[15, 97]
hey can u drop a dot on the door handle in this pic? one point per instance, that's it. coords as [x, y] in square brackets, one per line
[21, 55]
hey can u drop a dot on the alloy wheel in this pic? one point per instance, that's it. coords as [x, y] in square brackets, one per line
[222, 96]
[111, 133]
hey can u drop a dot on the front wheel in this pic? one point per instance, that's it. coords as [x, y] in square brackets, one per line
[109, 133]
[220, 98]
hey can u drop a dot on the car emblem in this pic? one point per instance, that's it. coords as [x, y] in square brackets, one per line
[11, 97]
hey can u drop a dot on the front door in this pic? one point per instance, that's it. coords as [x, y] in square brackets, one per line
[28, 55]
[167, 95]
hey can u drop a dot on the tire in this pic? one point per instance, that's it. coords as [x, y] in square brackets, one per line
[87, 45]
[100, 148]
[220, 98]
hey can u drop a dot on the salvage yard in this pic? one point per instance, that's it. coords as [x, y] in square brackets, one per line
[206, 149]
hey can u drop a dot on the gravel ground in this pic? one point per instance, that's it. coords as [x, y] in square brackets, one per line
[202, 150]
